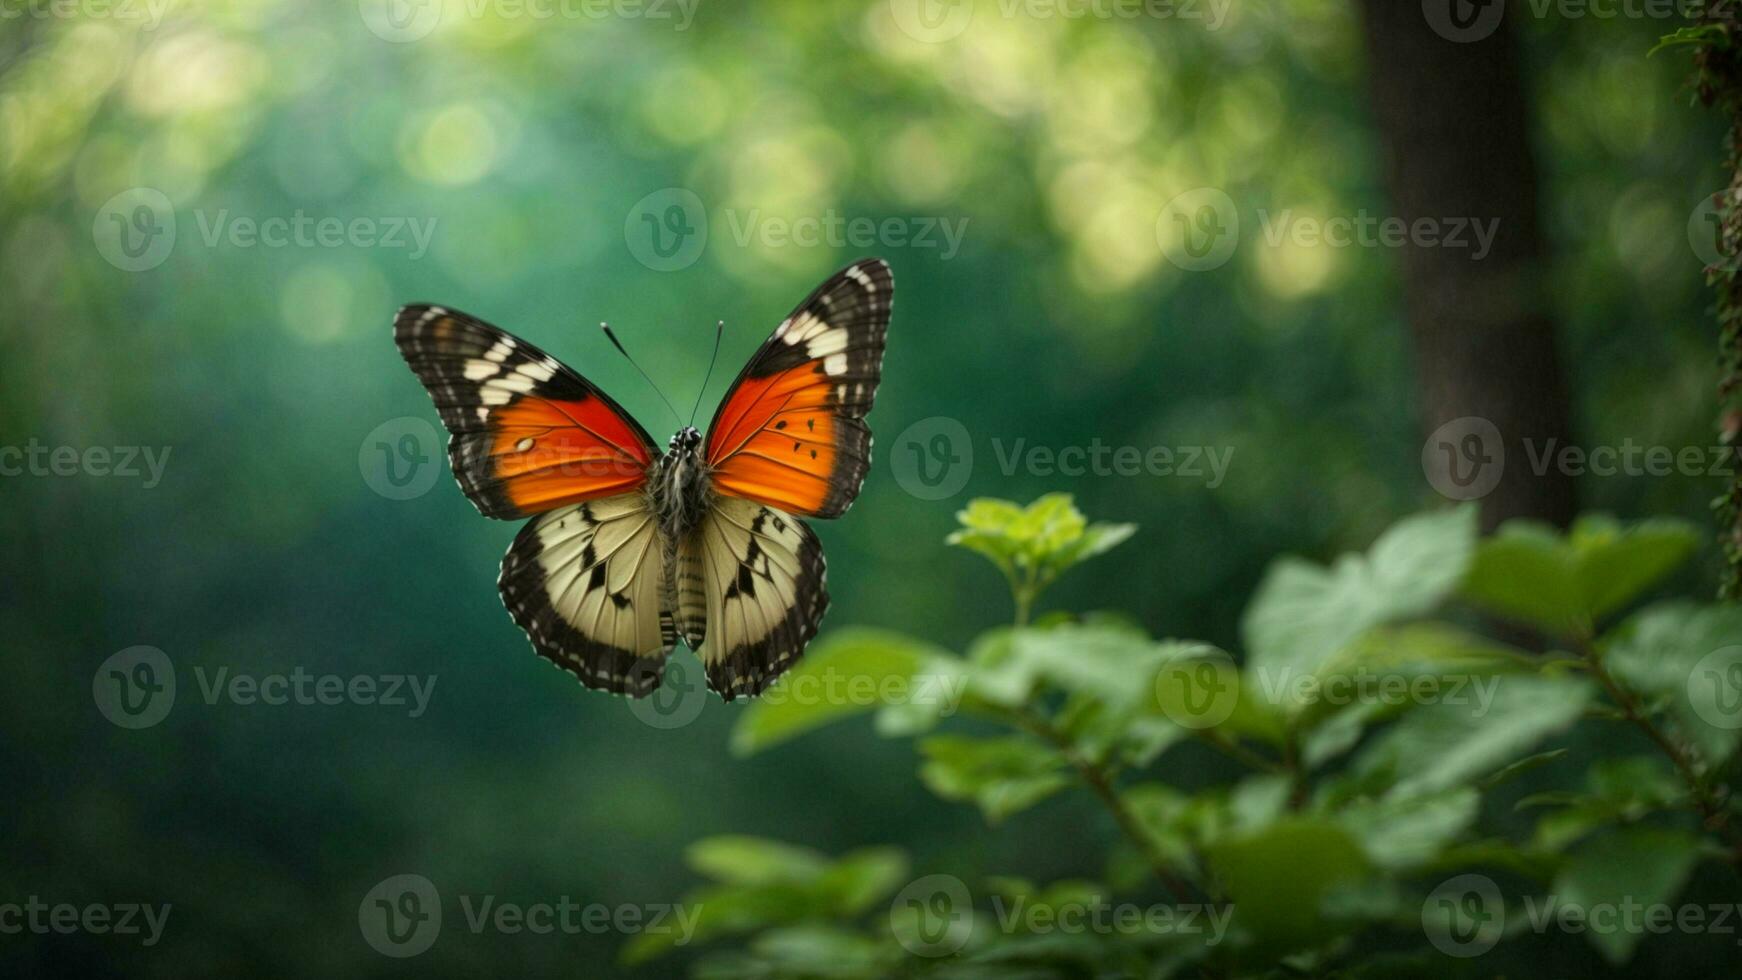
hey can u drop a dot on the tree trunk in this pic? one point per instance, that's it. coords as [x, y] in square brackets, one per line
[1719, 79]
[1451, 118]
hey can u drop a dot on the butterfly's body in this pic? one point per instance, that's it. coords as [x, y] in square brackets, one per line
[630, 548]
[678, 491]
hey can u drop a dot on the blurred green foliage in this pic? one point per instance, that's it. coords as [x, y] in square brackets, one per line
[1367, 825]
[528, 142]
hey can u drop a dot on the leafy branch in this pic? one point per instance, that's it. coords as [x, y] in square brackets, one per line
[1366, 799]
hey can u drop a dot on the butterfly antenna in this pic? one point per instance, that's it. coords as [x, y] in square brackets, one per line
[619, 345]
[719, 331]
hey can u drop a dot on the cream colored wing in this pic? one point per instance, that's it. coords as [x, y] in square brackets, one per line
[587, 584]
[764, 586]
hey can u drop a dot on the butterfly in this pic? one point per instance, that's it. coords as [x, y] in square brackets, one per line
[628, 548]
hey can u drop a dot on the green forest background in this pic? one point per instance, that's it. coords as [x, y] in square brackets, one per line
[531, 143]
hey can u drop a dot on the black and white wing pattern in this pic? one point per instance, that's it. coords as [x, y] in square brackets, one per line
[587, 584]
[764, 585]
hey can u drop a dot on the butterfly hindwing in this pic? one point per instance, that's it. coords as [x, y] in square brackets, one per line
[586, 582]
[790, 433]
[765, 587]
[527, 434]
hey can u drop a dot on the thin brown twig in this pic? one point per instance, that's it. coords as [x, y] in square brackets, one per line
[1705, 802]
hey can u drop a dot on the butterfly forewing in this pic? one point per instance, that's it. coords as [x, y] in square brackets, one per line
[527, 434]
[791, 433]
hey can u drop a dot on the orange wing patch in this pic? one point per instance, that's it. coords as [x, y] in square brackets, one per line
[528, 434]
[552, 453]
[778, 441]
[791, 433]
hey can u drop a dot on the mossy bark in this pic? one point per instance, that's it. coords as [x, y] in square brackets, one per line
[1718, 80]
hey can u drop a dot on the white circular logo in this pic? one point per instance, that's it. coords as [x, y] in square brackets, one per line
[135, 229]
[1715, 688]
[677, 701]
[1463, 21]
[933, 458]
[1199, 229]
[401, 916]
[135, 688]
[667, 230]
[1464, 916]
[1464, 458]
[933, 916]
[1706, 235]
[400, 458]
[932, 21]
[400, 21]
[1199, 692]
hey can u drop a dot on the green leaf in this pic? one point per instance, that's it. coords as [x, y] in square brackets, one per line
[814, 949]
[1002, 775]
[1199, 688]
[1395, 668]
[1032, 546]
[1409, 833]
[1622, 790]
[843, 675]
[764, 884]
[1637, 866]
[743, 860]
[1531, 573]
[1283, 909]
[1686, 660]
[1439, 746]
[1304, 614]
[1711, 34]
